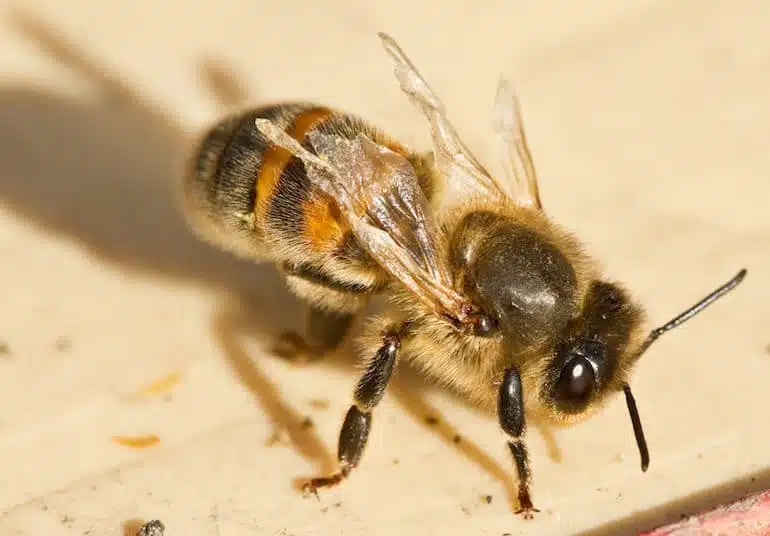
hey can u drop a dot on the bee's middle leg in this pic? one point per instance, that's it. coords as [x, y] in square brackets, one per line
[368, 393]
[510, 410]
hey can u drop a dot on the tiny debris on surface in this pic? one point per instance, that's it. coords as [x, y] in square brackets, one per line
[137, 442]
[159, 387]
[152, 528]
[63, 344]
[487, 499]
[396, 461]
[325, 509]
[456, 439]
[430, 420]
[5, 350]
[319, 403]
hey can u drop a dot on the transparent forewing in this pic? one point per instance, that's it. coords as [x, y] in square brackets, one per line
[452, 156]
[379, 194]
[276, 135]
[521, 184]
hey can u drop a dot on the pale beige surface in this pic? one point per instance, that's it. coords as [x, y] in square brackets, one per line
[649, 123]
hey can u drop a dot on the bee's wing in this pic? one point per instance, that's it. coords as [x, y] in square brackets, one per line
[453, 158]
[516, 157]
[379, 194]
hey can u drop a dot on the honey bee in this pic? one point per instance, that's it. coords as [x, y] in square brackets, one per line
[485, 293]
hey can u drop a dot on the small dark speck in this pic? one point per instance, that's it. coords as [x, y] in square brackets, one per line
[699, 455]
[152, 528]
[465, 511]
[5, 350]
[602, 489]
[63, 344]
[306, 423]
[488, 499]
[507, 534]
[456, 439]
[753, 479]
[67, 520]
[430, 420]
[767, 348]
[396, 461]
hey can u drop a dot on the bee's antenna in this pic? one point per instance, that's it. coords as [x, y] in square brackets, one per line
[636, 422]
[691, 312]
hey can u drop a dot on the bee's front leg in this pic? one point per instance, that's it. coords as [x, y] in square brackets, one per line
[510, 410]
[368, 393]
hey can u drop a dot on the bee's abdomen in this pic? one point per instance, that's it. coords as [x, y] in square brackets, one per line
[255, 198]
[219, 187]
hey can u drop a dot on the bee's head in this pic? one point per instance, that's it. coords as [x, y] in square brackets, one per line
[594, 353]
[594, 356]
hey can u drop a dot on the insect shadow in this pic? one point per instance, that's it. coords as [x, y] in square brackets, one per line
[105, 182]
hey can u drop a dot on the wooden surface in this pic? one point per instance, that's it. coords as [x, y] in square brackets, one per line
[136, 379]
[747, 516]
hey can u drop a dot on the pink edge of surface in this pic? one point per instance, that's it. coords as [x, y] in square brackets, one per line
[748, 516]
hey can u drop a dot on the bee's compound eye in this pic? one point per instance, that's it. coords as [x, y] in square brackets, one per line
[576, 381]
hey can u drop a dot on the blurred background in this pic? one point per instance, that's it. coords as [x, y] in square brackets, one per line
[136, 370]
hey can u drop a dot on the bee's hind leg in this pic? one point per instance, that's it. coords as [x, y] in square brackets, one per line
[324, 332]
[332, 310]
